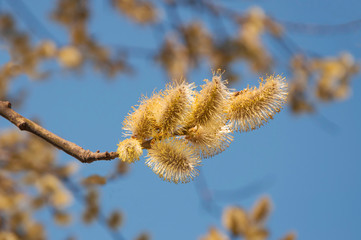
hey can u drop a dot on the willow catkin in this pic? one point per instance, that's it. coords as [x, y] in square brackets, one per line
[261, 210]
[173, 160]
[181, 125]
[142, 122]
[209, 141]
[175, 107]
[252, 107]
[235, 220]
[129, 150]
[214, 234]
[207, 109]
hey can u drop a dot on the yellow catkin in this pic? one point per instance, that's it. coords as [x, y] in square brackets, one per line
[94, 180]
[289, 236]
[261, 210]
[251, 108]
[207, 108]
[8, 236]
[61, 198]
[115, 220]
[129, 150]
[47, 49]
[173, 160]
[143, 236]
[62, 218]
[179, 126]
[256, 233]
[236, 220]
[142, 122]
[175, 107]
[214, 234]
[209, 141]
[70, 57]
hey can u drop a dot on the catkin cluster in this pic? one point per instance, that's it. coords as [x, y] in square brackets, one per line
[180, 125]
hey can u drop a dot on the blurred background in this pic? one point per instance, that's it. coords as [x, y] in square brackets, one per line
[77, 68]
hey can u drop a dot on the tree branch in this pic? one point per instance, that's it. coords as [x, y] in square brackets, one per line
[24, 124]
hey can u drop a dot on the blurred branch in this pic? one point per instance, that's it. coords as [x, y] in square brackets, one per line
[211, 199]
[31, 20]
[242, 192]
[309, 28]
[326, 124]
[24, 124]
[206, 196]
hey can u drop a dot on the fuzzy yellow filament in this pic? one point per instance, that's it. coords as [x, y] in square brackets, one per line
[173, 160]
[252, 107]
[142, 122]
[129, 150]
[207, 108]
[176, 105]
[209, 141]
[236, 220]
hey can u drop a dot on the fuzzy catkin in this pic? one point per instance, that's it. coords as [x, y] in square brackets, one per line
[209, 141]
[180, 125]
[129, 150]
[251, 108]
[173, 160]
[175, 107]
[209, 103]
[142, 122]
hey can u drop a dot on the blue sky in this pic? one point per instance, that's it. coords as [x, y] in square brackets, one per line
[309, 166]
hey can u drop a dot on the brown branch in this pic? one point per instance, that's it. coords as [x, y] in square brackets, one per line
[24, 124]
[307, 28]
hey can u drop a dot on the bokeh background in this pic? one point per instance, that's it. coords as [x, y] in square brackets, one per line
[309, 164]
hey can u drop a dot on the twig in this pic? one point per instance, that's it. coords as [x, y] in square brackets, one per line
[24, 124]
[206, 196]
[309, 28]
[30, 19]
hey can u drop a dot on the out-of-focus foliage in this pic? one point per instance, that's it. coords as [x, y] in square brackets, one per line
[184, 45]
[331, 77]
[240, 224]
[32, 181]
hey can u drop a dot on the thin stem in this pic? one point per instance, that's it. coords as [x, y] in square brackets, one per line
[24, 124]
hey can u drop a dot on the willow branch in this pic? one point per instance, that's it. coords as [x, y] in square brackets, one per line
[24, 124]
